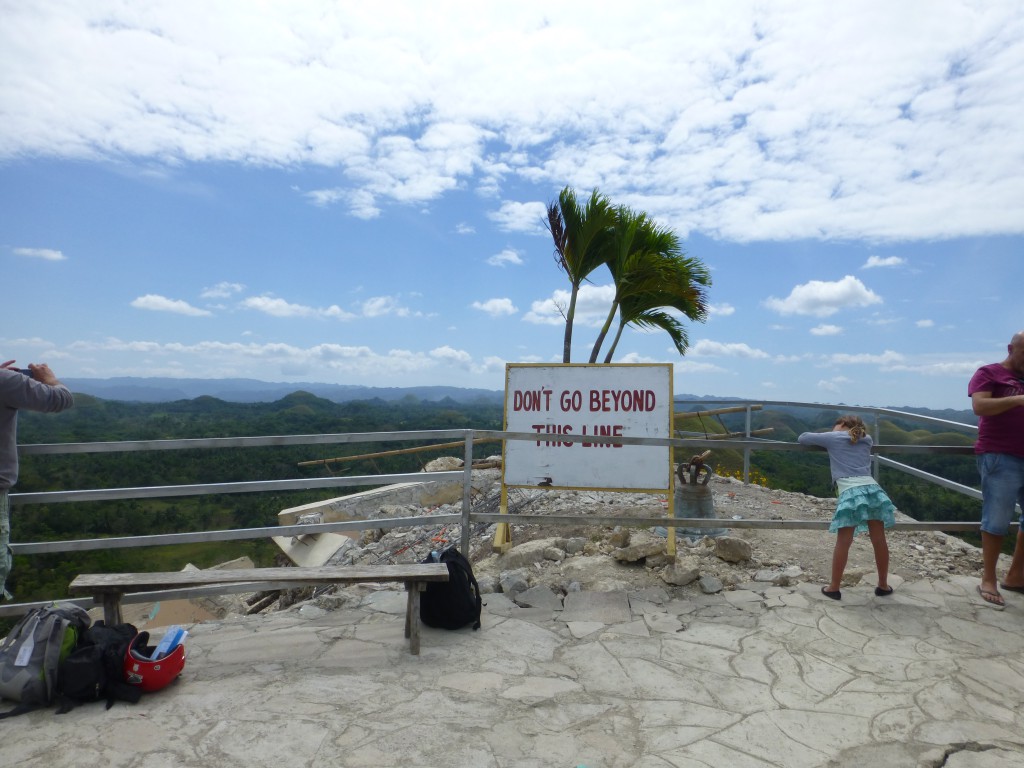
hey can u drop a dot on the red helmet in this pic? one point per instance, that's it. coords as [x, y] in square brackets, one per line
[146, 673]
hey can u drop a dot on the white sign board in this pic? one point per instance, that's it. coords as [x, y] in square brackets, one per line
[602, 400]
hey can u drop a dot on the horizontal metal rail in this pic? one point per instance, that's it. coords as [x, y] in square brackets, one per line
[705, 522]
[239, 442]
[934, 479]
[826, 407]
[160, 539]
[211, 489]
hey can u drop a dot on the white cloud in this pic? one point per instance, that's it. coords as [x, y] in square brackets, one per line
[833, 386]
[353, 363]
[708, 348]
[324, 197]
[635, 358]
[925, 323]
[496, 307]
[883, 261]
[222, 290]
[451, 355]
[692, 367]
[821, 299]
[379, 306]
[529, 218]
[336, 313]
[709, 117]
[269, 305]
[162, 304]
[507, 256]
[963, 369]
[721, 310]
[275, 307]
[888, 358]
[47, 254]
[826, 330]
[464, 229]
[592, 305]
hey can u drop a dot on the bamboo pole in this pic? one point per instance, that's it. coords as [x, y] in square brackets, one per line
[731, 435]
[395, 452]
[717, 411]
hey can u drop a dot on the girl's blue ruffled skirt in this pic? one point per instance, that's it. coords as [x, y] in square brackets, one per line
[861, 503]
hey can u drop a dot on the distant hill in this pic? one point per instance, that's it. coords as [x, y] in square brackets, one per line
[136, 389]
[164, 390]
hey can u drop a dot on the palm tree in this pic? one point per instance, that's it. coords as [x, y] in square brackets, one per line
[683, 289]
[581, 236]
[642, 260]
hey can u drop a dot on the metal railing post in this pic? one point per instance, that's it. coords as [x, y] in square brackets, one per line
[746, 451]
[467, 492]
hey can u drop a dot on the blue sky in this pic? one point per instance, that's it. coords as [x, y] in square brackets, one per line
[355, 193]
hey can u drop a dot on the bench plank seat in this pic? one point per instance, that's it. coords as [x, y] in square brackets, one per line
[108, 588]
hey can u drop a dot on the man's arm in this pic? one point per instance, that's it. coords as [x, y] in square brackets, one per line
[984, 404]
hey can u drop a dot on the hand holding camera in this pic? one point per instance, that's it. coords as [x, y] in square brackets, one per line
[38, 371]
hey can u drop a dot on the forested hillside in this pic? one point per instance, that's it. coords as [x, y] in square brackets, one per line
[96, 420]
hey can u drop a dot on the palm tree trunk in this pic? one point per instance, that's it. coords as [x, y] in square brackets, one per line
[569, 314]
[615, 343]
[604, 332]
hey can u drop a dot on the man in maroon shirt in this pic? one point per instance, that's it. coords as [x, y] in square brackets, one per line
[997, 397]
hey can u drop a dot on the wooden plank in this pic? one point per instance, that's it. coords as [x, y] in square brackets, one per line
[412, 615]
[100, 583]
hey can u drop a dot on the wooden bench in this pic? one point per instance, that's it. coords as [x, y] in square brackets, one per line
[108, 588]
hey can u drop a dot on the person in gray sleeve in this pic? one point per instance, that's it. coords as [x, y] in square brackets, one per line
[35, 389]
[862, 505]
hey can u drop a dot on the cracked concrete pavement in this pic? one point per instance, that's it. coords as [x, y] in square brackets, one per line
[758, 676]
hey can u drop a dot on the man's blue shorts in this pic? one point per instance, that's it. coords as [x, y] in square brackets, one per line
[1002, 486]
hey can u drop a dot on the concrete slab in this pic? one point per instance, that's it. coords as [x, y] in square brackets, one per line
[312, 550]
[928, 678]
[606, 607]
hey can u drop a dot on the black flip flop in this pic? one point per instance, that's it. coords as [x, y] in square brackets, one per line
[837, 595]
[1008, 588]
[879, 592]
[992, 598]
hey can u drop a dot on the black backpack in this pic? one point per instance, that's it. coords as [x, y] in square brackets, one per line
[94, 671]
[454, 603]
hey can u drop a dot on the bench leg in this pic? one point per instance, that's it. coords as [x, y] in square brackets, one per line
[412, 615]
[112, 609]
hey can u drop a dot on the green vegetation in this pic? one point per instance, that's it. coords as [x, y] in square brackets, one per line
[93, 420]
[39, 577]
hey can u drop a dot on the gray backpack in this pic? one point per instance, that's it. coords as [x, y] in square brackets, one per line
[32, 652]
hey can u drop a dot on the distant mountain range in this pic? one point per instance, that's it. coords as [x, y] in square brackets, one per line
[163, 390]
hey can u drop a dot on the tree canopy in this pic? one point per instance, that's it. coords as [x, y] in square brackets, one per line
[655, 282]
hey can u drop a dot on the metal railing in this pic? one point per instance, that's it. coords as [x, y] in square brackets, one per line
[467, 517]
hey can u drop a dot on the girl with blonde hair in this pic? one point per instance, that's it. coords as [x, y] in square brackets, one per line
[862, 504]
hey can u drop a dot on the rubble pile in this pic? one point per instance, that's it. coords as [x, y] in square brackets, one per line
[562, 559]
